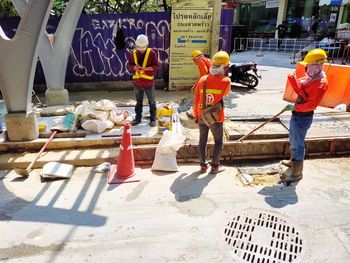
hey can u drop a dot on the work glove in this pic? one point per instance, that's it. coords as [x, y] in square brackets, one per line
[289, 107]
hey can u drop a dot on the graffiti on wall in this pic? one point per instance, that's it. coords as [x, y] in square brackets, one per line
[94, 56]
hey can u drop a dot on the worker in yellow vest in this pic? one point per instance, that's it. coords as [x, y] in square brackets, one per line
[143, 63]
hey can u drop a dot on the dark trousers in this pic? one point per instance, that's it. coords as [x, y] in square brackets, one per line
[139, 91]
[218, 133]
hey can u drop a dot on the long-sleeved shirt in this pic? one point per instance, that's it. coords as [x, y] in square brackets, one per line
[151, 62]
[313, 92]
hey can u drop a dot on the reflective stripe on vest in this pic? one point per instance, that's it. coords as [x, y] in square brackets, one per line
[141, 74]
[212, 91]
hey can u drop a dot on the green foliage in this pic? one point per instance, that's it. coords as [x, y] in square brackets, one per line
[7, 9]
[93, 7]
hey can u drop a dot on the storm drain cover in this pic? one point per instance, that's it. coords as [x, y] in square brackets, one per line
[260, 237]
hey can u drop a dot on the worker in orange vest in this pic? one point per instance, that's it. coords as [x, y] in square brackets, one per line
[215, 86]
[203, 64]
[310, 90]
[143, 63]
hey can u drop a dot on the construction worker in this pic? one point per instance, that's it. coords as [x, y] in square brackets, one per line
[143, 62]
[310, 90]
[203, 64]
[215, 86]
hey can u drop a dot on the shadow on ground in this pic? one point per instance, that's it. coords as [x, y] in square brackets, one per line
[279, 196]
[187, 187]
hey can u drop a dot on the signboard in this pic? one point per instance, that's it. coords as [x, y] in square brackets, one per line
[191, 23]
[272, 3]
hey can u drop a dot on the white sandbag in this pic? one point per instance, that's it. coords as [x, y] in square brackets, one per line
[165, 162]
[97, 126]
[165, 157]
[120, 117]
[105, 105]
[170, 142]
[95, 110]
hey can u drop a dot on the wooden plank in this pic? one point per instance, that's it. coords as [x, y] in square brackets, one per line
[78, 134]
[246, 150]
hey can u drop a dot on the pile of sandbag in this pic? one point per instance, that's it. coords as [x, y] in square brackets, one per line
[101, 115]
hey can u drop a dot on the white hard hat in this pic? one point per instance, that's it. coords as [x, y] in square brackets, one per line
[141, 41]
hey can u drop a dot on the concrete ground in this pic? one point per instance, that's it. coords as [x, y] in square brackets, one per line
[177, 217]
[182, 216]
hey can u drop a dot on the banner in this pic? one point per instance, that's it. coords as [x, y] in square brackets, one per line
[191, 23]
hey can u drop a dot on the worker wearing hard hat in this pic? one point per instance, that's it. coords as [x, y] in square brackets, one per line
[203, 64]
[208, 95]
[143, 63]
[310, 90]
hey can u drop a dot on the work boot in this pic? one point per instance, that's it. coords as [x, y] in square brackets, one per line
[294, 173]
[215, 169]
[135, 122]
[287, 163]
[152, 123]
[204, 167]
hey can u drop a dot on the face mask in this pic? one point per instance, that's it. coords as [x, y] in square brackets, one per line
[313, 70]
[141, 50]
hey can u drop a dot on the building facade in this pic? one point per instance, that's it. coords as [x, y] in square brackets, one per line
[305, 18]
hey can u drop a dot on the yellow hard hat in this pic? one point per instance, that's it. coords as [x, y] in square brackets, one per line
[221, 58]
[196, 53]
[315, 56]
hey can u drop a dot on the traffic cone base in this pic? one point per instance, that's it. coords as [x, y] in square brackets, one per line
[114, 179]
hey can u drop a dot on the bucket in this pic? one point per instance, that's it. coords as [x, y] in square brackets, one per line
[165, 118]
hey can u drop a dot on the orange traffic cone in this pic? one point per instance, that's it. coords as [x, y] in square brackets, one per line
[125, 171]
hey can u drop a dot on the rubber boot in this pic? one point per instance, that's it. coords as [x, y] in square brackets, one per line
[294, 173]
[153, 113]
[287, 163]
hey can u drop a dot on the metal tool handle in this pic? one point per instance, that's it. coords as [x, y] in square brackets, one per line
[261, 125]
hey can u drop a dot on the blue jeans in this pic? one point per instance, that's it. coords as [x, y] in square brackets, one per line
[299, 125]
[218, 133]
[151, 101]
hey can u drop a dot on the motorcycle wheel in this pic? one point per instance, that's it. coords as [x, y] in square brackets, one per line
[249, 80]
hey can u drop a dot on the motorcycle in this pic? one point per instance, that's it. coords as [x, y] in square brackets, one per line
[242, 73]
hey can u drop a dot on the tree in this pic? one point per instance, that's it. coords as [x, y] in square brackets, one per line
[7, 9]
[94, 7]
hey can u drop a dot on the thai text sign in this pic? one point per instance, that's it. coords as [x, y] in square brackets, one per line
[191, 23]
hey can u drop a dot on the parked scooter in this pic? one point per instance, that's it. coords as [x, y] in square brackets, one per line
[246, 74]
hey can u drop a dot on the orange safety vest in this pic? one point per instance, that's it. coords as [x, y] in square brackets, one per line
[139, 73]
[217, 87]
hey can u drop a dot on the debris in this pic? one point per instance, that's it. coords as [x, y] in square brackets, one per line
[246, 179]
[57, 170]
[103, 167]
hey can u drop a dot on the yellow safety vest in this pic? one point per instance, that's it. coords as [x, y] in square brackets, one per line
[141, 74]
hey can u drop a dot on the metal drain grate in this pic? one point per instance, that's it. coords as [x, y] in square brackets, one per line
[263, 238]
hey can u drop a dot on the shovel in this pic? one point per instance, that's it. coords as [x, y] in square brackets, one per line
[287, 108]
[25, 172]
[67, 124]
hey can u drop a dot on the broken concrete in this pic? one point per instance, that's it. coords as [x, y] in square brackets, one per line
[21, 126]
[57, 97]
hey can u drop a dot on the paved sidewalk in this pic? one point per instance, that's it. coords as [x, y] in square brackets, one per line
[177, 217]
